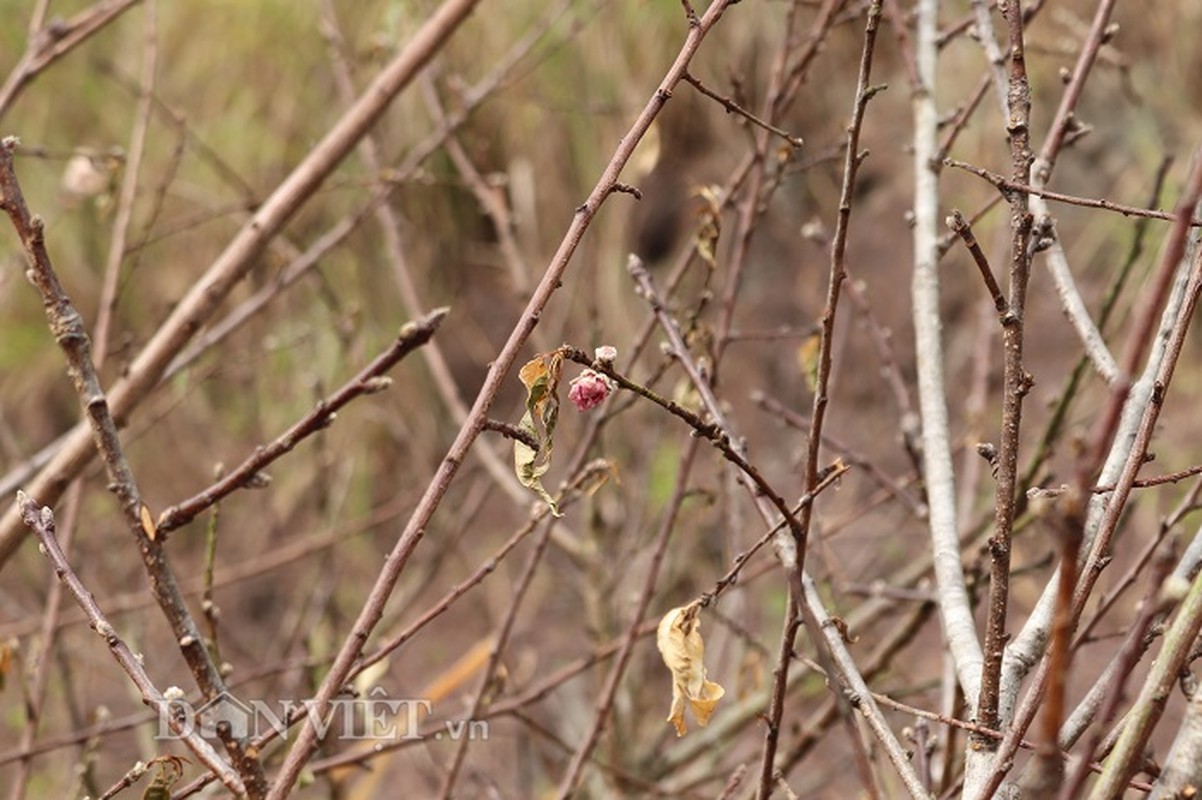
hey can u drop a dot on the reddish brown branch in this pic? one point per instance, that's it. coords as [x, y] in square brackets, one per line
[1015, 378]
[67, 326]
[41, 522]
[369, 381]
[1009, 186]
[962, 229]
[734, 108]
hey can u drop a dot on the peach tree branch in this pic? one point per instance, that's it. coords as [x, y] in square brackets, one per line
[41, 522]
[370, 380]
[67, 326]
[240, 255]
[373, 607]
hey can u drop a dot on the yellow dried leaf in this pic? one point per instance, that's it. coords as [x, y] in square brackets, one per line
[148, 523]
[532, 370]
[709, 224]
[541, 377]
[680, 644]
[7, 650]
[807, 359]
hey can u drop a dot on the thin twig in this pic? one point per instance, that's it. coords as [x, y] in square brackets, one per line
[67, 326]
[962, 229]
[369, 380]
[1009, 186]
[39, 662]
[129, 188]
[373, 607]
[831, 477]
[734, 108]
[960, 121]
[41, 523]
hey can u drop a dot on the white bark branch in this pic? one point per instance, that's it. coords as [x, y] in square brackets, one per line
[1070, 298]
[1026, 648]
[954, 608]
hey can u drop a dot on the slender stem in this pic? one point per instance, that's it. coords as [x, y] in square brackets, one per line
[41, 523]
[1009, 186]
[962, 229]
[67, 326]
[955, 611]
[1016, 381]
[734, 108]
[369, 380]
[373, 607]
[129, 188]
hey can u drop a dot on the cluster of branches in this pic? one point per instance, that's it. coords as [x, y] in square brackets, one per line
[1001, 676]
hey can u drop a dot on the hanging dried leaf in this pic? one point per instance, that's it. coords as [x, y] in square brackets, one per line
[683, 651]
[709, 224]
[7, 649]
[807, 359]
[170, 771]
[541, 377]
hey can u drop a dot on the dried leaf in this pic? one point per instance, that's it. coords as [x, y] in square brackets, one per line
[807, 359]
[680, 644]
[170, 771]
[148, 523]
[7, 650]
[541, 377]
[709, 224]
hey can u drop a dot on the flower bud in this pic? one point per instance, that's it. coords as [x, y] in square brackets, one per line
[588, 389]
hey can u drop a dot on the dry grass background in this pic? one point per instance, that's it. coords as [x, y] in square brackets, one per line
[253, 82]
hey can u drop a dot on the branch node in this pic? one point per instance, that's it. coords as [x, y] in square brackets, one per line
[626, 188]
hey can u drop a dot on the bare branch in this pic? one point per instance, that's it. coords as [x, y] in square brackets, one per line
[373, 607]
[369, 380]
[959, 629]
[203, 299]
[41, 523]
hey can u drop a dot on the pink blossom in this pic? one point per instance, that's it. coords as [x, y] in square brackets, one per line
[588, 389]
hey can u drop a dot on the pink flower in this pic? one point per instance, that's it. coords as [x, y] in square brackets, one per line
[588, 389]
